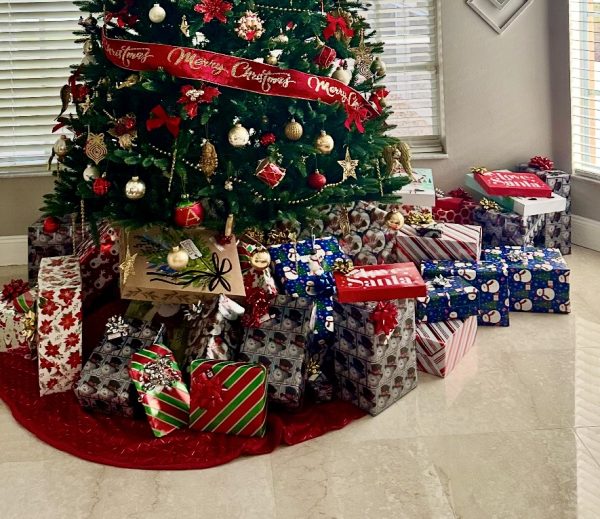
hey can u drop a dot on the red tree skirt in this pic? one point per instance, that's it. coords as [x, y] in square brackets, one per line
[59, 421]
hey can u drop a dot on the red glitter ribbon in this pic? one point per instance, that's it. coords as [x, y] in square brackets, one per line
[385, 317]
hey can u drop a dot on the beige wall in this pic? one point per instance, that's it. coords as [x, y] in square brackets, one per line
[506, 98]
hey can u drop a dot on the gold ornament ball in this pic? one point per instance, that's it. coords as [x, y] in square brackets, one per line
[324, 143]
[271, 59]
[61, 147]
[238, 136]
[378, 67]
[260, 259]
[394, 220]
[293, 130]
[135, 189]
[88, 47]
[343, 75]
[178, 259]
[90, 173]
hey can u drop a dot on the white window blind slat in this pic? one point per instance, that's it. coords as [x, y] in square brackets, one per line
[584, 22]
[409, 29]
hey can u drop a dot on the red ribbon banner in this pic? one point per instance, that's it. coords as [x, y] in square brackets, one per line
[239, 73]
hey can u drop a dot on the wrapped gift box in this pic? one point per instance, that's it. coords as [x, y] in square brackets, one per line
[501, 228]
[420, 192]
[17, 325]
[538, 278]
[507, 183]
[463, 214]
[105, 384]
[374, 370]
[162, 392]
[214, 268]
[557, 232]
[447, 298]
[489, 277]
[228, 397]
[442, 345]
[59, 324]
[281, 345]
[215, 330]
[458, 242]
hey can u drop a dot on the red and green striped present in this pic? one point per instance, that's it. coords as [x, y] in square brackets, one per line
[228, 397]
[162, 392]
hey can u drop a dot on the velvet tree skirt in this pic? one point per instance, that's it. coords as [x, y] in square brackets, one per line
[59, 421]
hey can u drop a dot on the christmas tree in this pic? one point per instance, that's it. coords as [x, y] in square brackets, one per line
[188, 112]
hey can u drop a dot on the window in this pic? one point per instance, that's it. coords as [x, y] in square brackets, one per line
[410, 31]
[585, 85]
[36, 48]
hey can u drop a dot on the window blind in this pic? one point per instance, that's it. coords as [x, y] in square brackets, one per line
[585, 85]
[36, 48]
[409, 29]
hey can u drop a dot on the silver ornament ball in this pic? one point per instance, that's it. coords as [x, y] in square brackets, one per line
[61, 147]
[91, 172]
[157, 14]
[238, 136]
[178, 259]
[343, 75]
[135, 189]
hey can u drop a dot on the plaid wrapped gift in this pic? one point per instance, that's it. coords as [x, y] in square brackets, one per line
[538, 278]
[105, 384]
[59, 324]
[447, 298]
[374, 368]
[228, 397]
[441, 346]
[489, 277]
[504, 228]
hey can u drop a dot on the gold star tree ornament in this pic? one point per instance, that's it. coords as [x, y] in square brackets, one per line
[348, 165]
[127, 268]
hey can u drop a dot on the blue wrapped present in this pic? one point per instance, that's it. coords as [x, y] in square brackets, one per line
[489, 277]
[538, 278]
[447, 298]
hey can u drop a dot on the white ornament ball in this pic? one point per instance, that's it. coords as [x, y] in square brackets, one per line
[378, 67]
[157, 14]
[324, 143]
[343, 75]
[178, 259]
[238, 136]
[61, 146]
[135, 188]
[91, 172]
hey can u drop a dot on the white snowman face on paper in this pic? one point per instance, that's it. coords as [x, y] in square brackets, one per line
[547, 294]
[491, 287]
[290, 274]
[492, 317]
[565, 308]
[467, 274]
[523, 276]
[524, 305]
[471, 294]
[453, 315]
[564, 278]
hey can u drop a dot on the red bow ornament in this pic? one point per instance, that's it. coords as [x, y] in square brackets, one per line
[385, 317]
[162, 118]
[335, 23]
[356, 116]
[123, 18]
[378, 96]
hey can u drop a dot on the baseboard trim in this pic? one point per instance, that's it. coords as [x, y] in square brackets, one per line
[13, 250]
[586, 232]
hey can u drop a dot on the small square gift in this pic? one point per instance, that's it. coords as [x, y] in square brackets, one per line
[215, 329]
[105, 384]
[457, 242]
[374, 353]
[489, 277]
[456, 207]
[161, 389]
[442, 345]
[538, 278]
[59, 324]
[281, 345]
[447, 298]
[17, 318]
[506, 228]
[228, 397]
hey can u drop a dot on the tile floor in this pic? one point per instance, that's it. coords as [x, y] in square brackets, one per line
[514, 432]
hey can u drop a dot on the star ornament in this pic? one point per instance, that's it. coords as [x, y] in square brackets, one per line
[363, 57]
[348, 165]
[213, 10]
[127, 268]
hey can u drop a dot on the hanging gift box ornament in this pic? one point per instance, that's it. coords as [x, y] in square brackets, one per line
[91, 172]
[188, 213]
[95, 147]
[238, 136]
[135, 188]
[271, 174]
[293, 130]
[250, 26]
[325, 57]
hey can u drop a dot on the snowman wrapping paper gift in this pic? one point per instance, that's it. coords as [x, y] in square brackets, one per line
[538, 278]
[447, 298]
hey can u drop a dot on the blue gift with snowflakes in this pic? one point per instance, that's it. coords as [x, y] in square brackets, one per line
[447, 298]
[489, 277]
[538, 278]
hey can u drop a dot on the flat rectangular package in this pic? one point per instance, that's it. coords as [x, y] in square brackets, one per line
[458, 242]
[538, 278]
[420, 192]
[505, 228]
[373, 371]
[447, 298]
[490, 278]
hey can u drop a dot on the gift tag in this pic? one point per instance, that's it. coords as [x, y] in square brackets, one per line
[190, 247]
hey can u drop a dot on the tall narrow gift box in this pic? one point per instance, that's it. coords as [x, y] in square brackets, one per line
[228, 397]
[374, 354]
[507, 228]
[441, 346]
[489, 277]
[59, 324]
[447, 298]
[538, 278]
[458, 242]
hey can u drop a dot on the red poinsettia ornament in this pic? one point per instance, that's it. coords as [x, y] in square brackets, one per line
[213, 10]
[266, 139]
[192, 96]
[188, 213]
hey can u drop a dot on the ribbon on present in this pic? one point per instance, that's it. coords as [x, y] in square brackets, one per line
[517, 256]
[418, 218]
[210, 388]
[489, 205]
[385, 317]
[25, 304]
[162, 118]
[161, 390]
[460, 193]
[441, 281]
[479, 170]
[258, 303]
[116, 327]
[541, 163]
[343, 266]
[13, 289]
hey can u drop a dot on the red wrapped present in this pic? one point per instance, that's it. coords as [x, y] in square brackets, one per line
[506, 183]
[463, 215]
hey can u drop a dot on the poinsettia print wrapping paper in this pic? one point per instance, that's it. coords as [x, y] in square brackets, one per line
[59, 324]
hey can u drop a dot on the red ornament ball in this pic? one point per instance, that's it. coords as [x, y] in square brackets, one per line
[188, 214]
[51, 225]
[317, 180]
[100, 186]
[267, 139]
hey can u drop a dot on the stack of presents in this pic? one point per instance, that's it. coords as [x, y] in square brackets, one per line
[351, 312]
